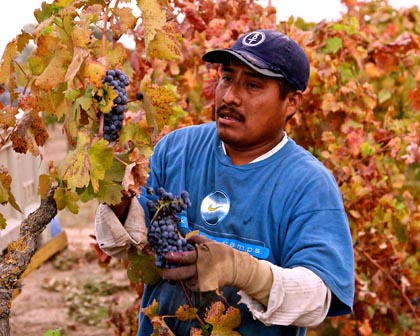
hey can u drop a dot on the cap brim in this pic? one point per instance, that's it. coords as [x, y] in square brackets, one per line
[221, 55]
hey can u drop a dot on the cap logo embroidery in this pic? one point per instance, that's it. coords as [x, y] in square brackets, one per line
[253, 39]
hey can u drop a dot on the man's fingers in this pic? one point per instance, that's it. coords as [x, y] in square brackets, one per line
[179, 273]
[184, 258]
[198, 239]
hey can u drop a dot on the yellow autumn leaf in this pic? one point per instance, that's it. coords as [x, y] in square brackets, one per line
[154, 18]
[6, 65]
[81, 37]
[55, 71]
[159, 102]
[100, 160]
[165, 46]
[66, 198]
[79, 56]
[75, 169]
[94, 70]
[125, 18]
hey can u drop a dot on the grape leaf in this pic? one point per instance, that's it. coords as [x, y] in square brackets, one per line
[81, 39]
[125, 20]
[414, 97]
[159, 103]
[3, 223]
[115, 54]
[333, 44]
[109, 192]
[22, 41]
[7, 116]
[186, 313]
[100, 160]
[6, 64]
[29, 134]
[223, 322]
[135, 132]
[6, 195]
[141, 267]
[79, 55]
[66, 198]
[154, 18]
[75, 167]
[93, 70]
[160, 327]
[55, 71]
[166, 44]
[107, 94]
[44, 184]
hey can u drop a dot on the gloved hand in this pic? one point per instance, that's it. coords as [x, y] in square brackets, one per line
[113, 237]
[215, 265]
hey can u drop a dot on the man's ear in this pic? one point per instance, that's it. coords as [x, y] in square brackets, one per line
[293, 101]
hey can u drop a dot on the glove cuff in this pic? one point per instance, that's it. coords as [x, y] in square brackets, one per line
[219, 265]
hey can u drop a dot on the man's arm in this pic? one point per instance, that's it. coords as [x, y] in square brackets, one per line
[274, 295]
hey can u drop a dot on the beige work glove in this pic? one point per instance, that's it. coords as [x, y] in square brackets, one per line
[113, 237]
[219, 265]
[215, 265]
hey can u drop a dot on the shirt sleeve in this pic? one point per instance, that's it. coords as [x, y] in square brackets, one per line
[298, 297]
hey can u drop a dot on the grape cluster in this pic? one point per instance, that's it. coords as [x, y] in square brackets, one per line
[114, 119]
[163, 235]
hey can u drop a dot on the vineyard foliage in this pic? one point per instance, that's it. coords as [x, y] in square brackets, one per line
[361, 117]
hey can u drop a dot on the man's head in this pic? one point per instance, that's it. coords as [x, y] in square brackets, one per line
[251, 108]
[270, 53]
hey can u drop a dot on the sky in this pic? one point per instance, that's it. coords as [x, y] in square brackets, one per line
[15, 14]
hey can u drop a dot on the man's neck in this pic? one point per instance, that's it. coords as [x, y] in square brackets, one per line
[241, 157]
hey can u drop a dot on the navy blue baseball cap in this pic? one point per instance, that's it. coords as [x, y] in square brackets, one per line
[270, 53]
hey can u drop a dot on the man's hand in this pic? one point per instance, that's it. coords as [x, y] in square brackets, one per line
[113, 237]
[215, 265]
[187, 264]
[121, 209]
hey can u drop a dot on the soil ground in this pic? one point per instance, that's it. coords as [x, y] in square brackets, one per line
[71, 292]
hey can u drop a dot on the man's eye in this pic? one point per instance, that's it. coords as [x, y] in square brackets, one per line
[253, 85]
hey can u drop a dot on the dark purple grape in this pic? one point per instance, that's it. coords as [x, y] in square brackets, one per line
[164, 235]
[116, 79]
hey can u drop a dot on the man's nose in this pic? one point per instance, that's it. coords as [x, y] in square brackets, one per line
[232, 94]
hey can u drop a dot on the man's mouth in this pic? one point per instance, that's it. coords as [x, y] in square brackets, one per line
[230, 115]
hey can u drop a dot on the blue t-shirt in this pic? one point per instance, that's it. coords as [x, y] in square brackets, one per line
[286, 209]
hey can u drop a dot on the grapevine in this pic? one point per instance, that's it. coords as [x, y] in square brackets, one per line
[113, 120]
[164, 235]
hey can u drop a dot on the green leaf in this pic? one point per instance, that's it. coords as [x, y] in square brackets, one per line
[333, 44]
[51, 332]
[75, 169]
[3, 223]
[366, 149]
[66, 198]
[384, 95]
[346, 72]
[100, 160]
[141, 266]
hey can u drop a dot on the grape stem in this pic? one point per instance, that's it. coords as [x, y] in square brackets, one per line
[190, 302]
[161, 206]
[101, 125]
[120, 161]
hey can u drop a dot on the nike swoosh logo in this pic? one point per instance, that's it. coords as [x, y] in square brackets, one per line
[210, 208]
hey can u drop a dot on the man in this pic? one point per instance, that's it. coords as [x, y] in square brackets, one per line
[277, 240]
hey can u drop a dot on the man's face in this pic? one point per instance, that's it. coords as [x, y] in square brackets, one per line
[249, 111]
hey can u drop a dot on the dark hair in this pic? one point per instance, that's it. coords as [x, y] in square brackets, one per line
[285, 88]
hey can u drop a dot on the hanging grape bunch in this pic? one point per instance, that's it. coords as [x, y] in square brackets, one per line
[114, 119]
[164, 235]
